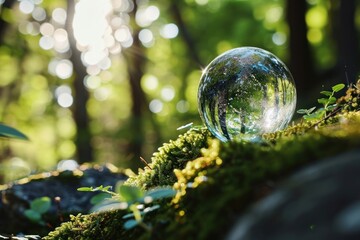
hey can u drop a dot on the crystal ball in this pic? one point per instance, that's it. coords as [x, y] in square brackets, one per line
[244, 93]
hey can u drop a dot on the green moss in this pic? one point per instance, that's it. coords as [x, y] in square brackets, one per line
[172, 155]
[217, 181]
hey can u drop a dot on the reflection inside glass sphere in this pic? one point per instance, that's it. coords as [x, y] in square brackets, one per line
[244, 93]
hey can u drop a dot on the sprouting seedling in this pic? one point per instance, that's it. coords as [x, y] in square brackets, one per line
[133, 199]
[328, 102]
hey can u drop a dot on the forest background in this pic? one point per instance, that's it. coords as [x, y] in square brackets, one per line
[108, 81]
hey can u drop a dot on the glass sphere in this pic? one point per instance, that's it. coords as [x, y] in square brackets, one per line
[244, 93]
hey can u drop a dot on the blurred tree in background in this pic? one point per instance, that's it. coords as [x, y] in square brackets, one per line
[110, 80]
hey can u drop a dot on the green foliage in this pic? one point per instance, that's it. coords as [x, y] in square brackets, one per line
[38, 207]
[227, 177]
[134, 199]
[222, 182]
[9, 132]
[172, 155]
[328, 102]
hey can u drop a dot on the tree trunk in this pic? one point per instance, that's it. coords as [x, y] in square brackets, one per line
[84, 148]
[348, 56]
[300, 58]
[3, 24]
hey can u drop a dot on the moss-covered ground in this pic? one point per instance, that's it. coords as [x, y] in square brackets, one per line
[216, 181]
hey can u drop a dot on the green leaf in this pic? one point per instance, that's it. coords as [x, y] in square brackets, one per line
[151, 209]
[316, 115]
[331, 107]
[338, 87]
[306, 111]
[102, 188]
[32, 215]
[130, 193]
[326, 93]
[9, 132]
[331, 100]
[98, 198]
[160, 193]
[85, 189]
[323, 100]
[41, 205]
[302, 111]
[129, 215]
[310, 110]
[129, 224]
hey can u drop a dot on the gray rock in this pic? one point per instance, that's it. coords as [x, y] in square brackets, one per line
[321, 202]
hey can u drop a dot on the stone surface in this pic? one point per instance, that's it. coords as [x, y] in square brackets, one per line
[321, 202]
[16, 197]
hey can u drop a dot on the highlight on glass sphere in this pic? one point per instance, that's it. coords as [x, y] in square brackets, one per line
[244, 93]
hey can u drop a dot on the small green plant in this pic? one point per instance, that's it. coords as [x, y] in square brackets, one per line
[38, 207]
[9, 132]
[131, 198]
[328, 102]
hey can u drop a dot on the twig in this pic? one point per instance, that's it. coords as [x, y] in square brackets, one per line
[145, 162]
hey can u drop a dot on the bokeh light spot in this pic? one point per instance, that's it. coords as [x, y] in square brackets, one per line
[149, 82]
[39, 14]
[274, 14]
[156, 106]
[279, 38]
[67, 164]
[26, 6]
[182, 106]
[65, 100]
[169, 31]
[59, 15]
[64, 69]
[46, 42]
[316, 17]
[146, 37]
[314, 35]
[168, 93]
[92, 82]
[47, 29]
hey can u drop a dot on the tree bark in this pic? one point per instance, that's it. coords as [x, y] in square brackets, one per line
[3, 24]
[348, 56]
[83, 137]
[300, 57]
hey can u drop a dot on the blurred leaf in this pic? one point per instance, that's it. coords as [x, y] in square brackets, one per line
[32, 215]
[302, 111]
[322, 100]
[129, 224]
[331, 100]
[41, 205]
[9, 132]
[85, 189]
[152, 208]
[338, 87]
[326, 93]
[130, 193]
[102, 188]
[98, 198]
[306, 111]
[331, 107]
[160, 193]
[316, 115]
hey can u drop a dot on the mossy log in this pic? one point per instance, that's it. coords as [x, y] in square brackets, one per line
[216, 182]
